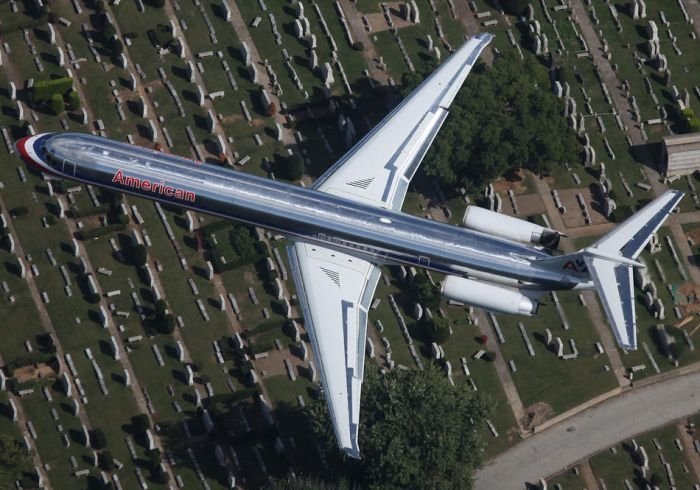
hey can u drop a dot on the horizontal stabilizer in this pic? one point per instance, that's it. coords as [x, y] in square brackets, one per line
[630, 238]
[609, 263]
[615, 288]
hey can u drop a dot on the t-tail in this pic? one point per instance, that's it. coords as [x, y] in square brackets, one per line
[610, 260]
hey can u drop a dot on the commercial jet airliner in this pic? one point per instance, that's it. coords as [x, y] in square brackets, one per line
[349, 223]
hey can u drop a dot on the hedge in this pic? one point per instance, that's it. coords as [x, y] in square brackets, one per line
[43, 90]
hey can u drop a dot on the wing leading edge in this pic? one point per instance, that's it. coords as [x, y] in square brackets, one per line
[336, 289]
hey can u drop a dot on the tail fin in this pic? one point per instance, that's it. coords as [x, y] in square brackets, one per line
[610, 260]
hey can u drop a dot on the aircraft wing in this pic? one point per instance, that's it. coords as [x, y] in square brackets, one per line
[335, 291]
[378, 169]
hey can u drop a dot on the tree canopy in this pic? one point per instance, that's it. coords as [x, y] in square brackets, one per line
[416, 431]
[14, 461]
[504, 118]
[424, 292]
[437, 329]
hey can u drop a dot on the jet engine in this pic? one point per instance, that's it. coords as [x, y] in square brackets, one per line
[488, 296]
[505, 226]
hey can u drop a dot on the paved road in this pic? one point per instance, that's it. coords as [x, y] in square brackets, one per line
[591, 431]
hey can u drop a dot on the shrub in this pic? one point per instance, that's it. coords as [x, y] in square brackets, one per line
[19, 211]
[43, 90]
[438, 329]
[72, 101]
[358, 46]
[490, 356]
[694, 124]
[28, 360]
[140, 423]
[56, 105]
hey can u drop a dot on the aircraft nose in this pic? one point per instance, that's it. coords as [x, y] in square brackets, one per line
[21, 148]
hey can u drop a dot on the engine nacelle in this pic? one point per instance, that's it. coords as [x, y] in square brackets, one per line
[505, 226]
[488, 296]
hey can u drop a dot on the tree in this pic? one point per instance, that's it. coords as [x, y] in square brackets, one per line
[72, 101]
[139, 255]
[438, 329]
[295, 167]
[14, 461]
[416, 431]
[424, 292]
[140, 423]
[98, 439]
[503, 119]
[56, 104]
[297, 482]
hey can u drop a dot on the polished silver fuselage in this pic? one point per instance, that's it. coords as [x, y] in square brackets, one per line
[375, 234]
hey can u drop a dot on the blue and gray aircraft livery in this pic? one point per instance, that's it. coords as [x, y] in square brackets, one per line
[350, 223]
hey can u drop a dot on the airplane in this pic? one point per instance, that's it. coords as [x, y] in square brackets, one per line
[349, 223]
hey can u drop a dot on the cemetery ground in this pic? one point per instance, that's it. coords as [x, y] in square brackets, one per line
[622, 465]
[542, 381]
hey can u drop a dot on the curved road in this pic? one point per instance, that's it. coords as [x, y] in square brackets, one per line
[593, 430]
